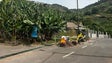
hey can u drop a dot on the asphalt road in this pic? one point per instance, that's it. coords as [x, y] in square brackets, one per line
[95, 51]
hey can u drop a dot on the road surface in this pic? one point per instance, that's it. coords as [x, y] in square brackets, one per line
[95, 51]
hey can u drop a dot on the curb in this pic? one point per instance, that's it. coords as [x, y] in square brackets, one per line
[9, 55]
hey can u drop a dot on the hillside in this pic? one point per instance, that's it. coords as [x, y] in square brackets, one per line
[98, 16]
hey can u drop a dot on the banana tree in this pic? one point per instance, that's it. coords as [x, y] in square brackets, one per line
[16, 13]
[50, 23]
[11, 18]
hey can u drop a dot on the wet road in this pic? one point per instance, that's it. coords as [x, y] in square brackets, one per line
[95, 51]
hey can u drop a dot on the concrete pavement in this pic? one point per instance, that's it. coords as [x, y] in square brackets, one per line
[34, 56]
[98, 51]
[6, 51]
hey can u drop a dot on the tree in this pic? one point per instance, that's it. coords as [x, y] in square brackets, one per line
[14, 13]
[51, 22]
[94, 10]
[109, 10]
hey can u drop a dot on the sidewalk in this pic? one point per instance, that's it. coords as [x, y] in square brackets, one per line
[6, 51]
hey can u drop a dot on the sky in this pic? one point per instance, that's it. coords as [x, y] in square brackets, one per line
[71, 4]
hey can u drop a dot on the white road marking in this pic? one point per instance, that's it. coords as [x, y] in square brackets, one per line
[68, 54]
[91, 43]
[84, 46]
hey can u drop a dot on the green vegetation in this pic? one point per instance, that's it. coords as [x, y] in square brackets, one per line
[98, 16]
[17, 18]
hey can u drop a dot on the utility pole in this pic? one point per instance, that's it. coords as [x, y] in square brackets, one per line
[78, 15]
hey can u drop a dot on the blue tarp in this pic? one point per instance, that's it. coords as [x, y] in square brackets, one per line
[34, 33]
